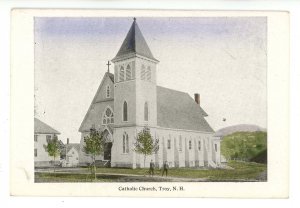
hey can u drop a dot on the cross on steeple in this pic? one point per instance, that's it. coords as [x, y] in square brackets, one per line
[108, 64]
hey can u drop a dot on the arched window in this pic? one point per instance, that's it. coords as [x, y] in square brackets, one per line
[108, 116]
[190, 144]
[107, 91]
[125, 111]
[143, 71]
[121, 74]
[125, 143]
[128, 72]
[148, 73]
[146, 112]
[199, 145]
[169, 143]
[180, 143]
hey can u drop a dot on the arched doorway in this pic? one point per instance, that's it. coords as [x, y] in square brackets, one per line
[107, 145]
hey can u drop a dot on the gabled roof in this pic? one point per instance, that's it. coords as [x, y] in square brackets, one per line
[70, 145]
[134, 43]
[93, 115]
[111, 76]
[178, 110]
[42, 128]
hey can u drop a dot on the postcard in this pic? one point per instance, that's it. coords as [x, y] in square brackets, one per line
[149, 103]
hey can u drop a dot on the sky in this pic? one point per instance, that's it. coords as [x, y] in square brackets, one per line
[224, 59]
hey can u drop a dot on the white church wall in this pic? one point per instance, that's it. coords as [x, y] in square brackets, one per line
[182, 157]
[102, 94]
[146, 92]
[216, 151]
[125, 91]
[120, 158]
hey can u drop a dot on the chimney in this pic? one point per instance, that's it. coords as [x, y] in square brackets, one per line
[197, 98]
[67, 140]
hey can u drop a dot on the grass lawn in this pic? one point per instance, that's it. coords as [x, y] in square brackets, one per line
[67, 178]
[242, 171]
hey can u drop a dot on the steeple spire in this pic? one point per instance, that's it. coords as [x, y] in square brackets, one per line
[134, 44]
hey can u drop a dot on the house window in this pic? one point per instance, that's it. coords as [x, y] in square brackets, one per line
[35, 152]
[48, 138]
[199, 145]
[180, 143]
[216, 147]
[108, 116]
[148, 74]
[107, 91]
[121, 74]
[125, 143]
[169, 143]
[125, 111]
[128, 72]
[143, 71]
[146, 112]
[35, 138]
[190, 144]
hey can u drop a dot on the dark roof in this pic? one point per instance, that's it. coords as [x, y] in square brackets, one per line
[178, 110]
[42, 128]
[134, 43]
[75, 145]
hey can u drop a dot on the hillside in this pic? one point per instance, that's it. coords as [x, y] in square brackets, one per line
[239, 128]
[245, 146]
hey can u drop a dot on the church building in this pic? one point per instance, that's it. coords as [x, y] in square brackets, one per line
[129, 100]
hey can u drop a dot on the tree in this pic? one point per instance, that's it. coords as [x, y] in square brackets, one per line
[53, 148]
[94, 146]
[62, 149]
[243, 145]
[145, 144]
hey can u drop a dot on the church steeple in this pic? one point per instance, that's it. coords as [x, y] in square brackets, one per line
[134, 44]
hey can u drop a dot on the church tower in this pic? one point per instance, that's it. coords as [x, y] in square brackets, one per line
[135, 97]
[135, 82]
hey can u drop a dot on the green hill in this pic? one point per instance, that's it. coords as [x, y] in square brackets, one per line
[244, 145]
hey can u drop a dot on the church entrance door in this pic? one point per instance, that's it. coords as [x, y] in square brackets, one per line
[107, 151]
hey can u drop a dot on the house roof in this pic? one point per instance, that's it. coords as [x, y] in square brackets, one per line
[70, 145]
[42, 128]
[134, 43]
[178, 110]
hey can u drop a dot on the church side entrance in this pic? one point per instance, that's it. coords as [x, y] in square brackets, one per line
[107, 151]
